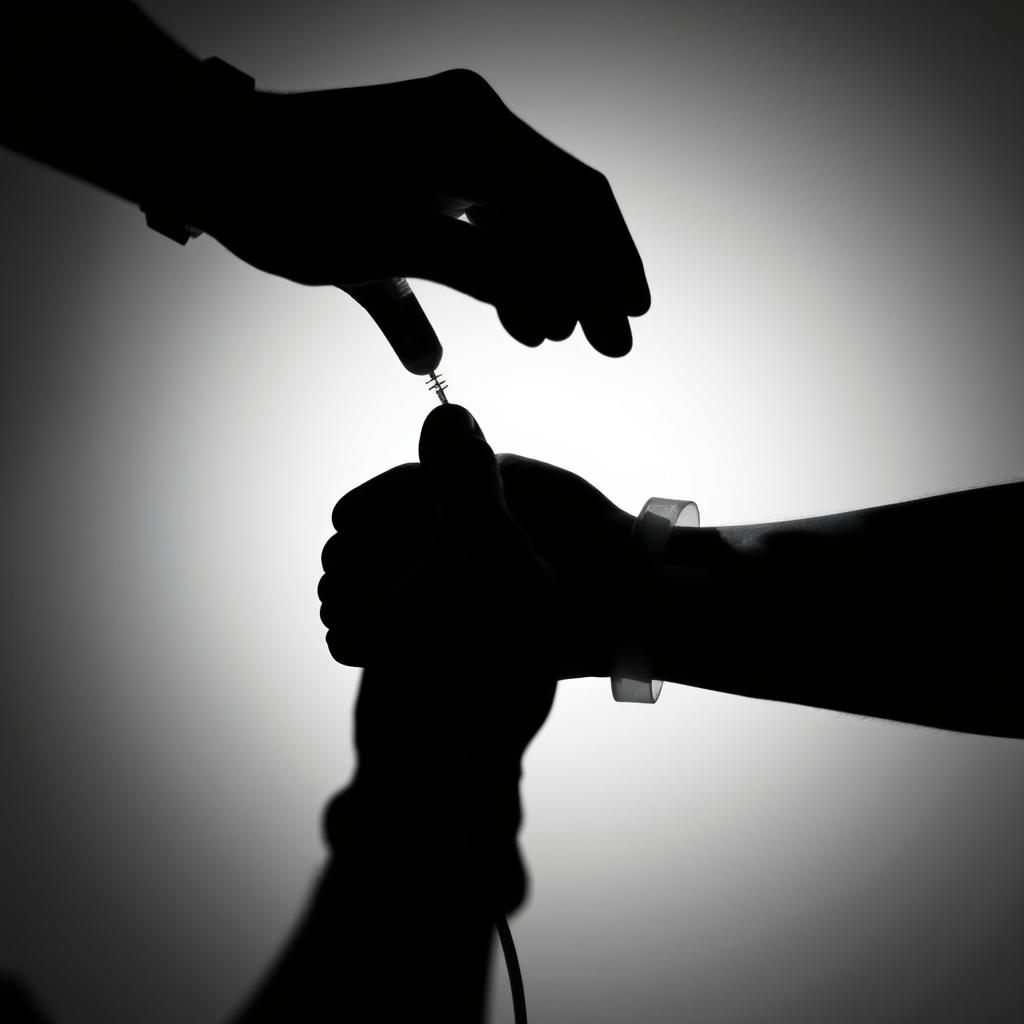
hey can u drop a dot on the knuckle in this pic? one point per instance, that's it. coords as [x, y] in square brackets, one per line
[337, 592]
[341, 515]
[599, 185]
[508, 460]
[345, 650]
[329, 557]
[464, 83]
[356, 510]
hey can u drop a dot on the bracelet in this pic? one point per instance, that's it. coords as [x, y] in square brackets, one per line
[216, 93]
[632, 680]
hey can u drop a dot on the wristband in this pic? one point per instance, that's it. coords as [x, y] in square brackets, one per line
[632, 680]
[218, 89]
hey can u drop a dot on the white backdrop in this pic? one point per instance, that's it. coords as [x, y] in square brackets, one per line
[825, 202]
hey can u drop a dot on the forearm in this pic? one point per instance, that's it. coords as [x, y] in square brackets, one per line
[96, 90]
[393, 931]
[423, 862]
[907, 612]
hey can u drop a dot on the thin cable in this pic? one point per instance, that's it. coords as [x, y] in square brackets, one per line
[515, 975]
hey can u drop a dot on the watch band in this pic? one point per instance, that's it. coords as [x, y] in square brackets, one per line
[632, 675]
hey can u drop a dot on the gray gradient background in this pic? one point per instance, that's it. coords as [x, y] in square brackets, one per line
[828, 201]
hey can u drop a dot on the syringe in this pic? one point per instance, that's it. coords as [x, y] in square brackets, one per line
[399, 315]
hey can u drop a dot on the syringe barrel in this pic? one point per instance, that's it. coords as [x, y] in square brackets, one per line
[398, 314]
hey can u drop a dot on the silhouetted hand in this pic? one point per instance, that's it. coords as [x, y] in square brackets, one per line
[484, 555]
[433, 587]
[354, 185]
[339, 187]
[463, 625]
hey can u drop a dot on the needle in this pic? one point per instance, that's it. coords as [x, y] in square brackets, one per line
[439, 386]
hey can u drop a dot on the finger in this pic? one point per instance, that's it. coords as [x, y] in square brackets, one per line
[540, 297]
[380, 526]
[346, 647]
[591, 223]
[553, 273]
[502, 584]
[540, 291]
[574, 257]
[462, 472]
[342, 611]
[609, 333]
[520, 319]
[469, 259]
[619, 250]
[561, 327]
[389, 499]
[534, 298]
[458, 462]
[540, 170]
[398, 314]
[383, 619]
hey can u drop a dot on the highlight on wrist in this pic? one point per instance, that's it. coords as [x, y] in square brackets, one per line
[632, 680]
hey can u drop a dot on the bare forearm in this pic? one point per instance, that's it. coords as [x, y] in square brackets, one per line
[907, 612]
[96, 90]
[423, 862]
[392, 932]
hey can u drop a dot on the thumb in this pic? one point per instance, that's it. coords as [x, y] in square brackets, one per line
[463, 476]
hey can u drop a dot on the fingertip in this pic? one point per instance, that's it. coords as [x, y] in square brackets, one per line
[611, 336]
[452, 417]
[353, 509]
[519, 325]
[345, 650]
[447, 429]
[640, 301]
[561, 329]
